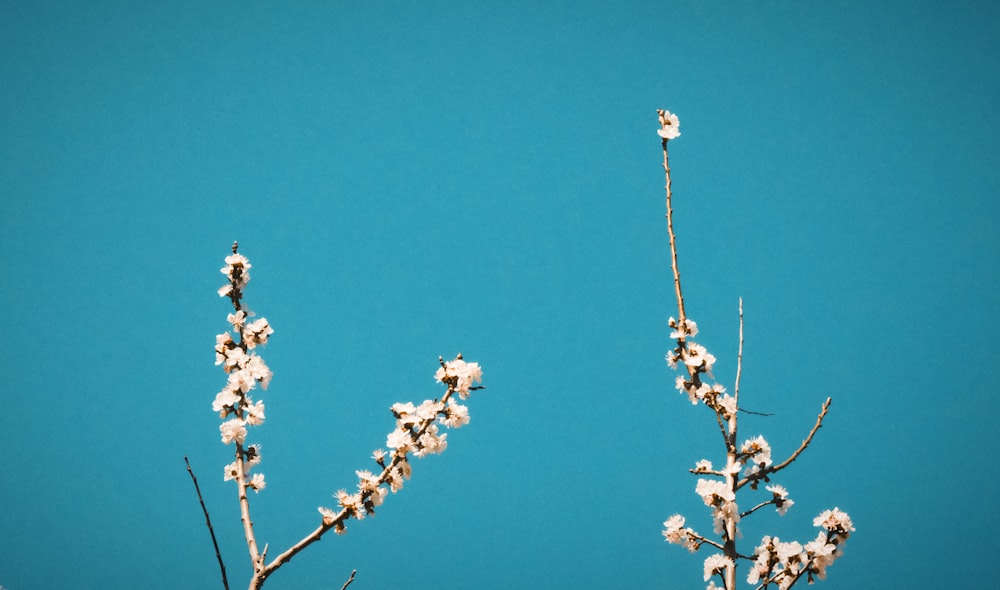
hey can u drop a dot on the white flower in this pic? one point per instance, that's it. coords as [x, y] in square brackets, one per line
[352, 502]
[230, 471]
[835, 521]
[233, 429]
[703, 465]
[257, 332]
[686, 329]
[716, 564]
[236, 264]
[429, 409]
[456, 415]
[399, 439]
[328, 515]
[226, 398]
[674, 531]
[823, 554]
[669, 129]
[237, 319]
[781, 501]
[757, 452]
[255, 413]
[367, 482]
[234, 357]
[724, 513]
[712, 491]
[257, 482]
[259, 371]
[223, 342]
[430, 442]
[241, 381]
[695, 356]
[460, 375]
[728, 405]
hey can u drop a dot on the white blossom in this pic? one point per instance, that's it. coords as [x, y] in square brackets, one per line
[227, 398]
[713, 491]
[399, 439]
[835, 521]
[757, 452]
[233, 429]
[257, 332]
[781, 501]
[716, 564]
[456, 415]
[669, 127]
[461, 374]
[257, 482]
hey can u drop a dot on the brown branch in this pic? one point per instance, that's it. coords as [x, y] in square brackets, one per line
[344, 514]
[673, 238]
[349, 580]
[208, 521]
[805, 443]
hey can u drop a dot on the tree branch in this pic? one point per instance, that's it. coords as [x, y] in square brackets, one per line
[805, 443]
[349, 580]
[208, 521]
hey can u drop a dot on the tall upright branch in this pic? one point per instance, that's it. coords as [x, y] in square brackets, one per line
[670, 229]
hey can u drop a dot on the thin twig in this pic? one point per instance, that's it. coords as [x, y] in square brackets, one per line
[349, 580]
[805, 443]
[808, 439]
[739, 359]
[673, 239]
[208, 521]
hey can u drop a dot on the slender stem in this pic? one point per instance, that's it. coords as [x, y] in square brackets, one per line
[349, 580]
[739, 360]
[798, 451]
[673, 238]
[208, 521]
[241, 486]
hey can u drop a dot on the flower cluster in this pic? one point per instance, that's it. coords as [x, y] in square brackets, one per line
[782, 563]
[245, 369]
[775, 561]
[417, 432]
[747, 464]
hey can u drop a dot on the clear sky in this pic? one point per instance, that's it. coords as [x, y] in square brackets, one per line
[420, 179]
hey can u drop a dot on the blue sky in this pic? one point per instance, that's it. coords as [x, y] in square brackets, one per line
[413, 180]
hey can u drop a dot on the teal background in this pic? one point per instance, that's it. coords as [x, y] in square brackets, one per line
[420, 179]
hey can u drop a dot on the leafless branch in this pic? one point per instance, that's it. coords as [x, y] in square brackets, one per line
[349, 580]
[805, 443]
[208, 521]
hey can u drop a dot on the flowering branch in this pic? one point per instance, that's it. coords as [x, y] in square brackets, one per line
[773, 561]
[417, 427]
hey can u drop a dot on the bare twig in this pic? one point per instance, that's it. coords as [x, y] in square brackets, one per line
[808, 439]
[349, 580]
[805, 443]
[208, 521]
[739, 359]
[673, 238]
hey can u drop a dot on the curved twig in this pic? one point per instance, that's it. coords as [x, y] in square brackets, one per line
[763, 473]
